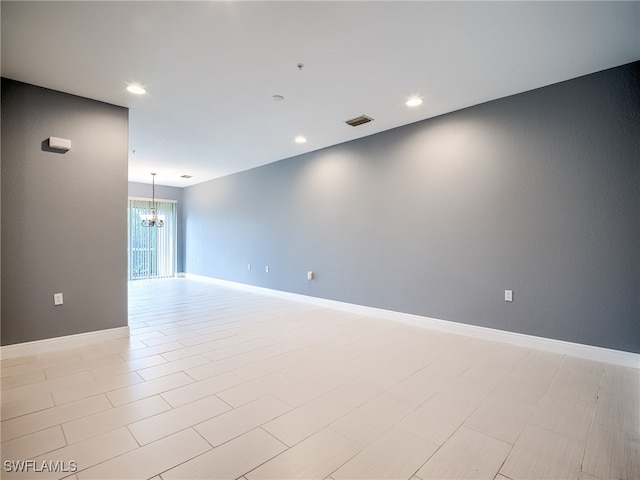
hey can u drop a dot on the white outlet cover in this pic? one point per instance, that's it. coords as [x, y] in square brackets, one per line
[57, 299]
[508, 295]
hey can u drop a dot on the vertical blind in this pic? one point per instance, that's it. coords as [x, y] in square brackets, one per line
[152, 250]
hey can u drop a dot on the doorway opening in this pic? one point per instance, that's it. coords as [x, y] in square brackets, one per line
[152, 251]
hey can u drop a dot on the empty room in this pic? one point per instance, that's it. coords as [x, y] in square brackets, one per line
[256, 240]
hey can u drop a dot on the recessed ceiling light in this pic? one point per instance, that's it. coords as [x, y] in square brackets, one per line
[300, 139]
[413, 102]
[136, 89]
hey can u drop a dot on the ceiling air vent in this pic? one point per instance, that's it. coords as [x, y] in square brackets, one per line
[362, 119]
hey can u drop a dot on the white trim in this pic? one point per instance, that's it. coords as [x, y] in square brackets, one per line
[149, 199]
[589, 352]
[59, 343]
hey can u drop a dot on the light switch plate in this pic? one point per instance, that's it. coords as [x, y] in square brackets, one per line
[57, 299]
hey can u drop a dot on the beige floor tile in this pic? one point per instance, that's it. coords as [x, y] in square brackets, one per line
[86, 427]
[466, 455]
[218, 367]
[372, 419]
[421, 386]
[437, 418]
[396, 454]
[191, 351]
[523, 386]
[387, 375]
[612, 453]
[101, 349]
[150, 351]
[148, 389]
[46, 386]
[150, 460]
[26, 405]
[311, 388]
[314, 458]
[541, 363]
[575, 385]
[169, 422]
[197, 390]
[500, 417]
[26, 360]
[373, 358]
[572, 418]
[621, 381]
[33, 422]
[76, 367]
[125, 344]
[274, 363]
[234, 423]
[503, 359]
[84, 454]
[94, 388]
[541, 454]
[33, 444]
[531, 377]
[474, 384]
[231, 460]
[581, 476]
[20, 380]
[303, 421]
[168, 368]
[127, 366]
[619, 412]
[460, 358]
[254, 389]
[354, 392]
[315, 365]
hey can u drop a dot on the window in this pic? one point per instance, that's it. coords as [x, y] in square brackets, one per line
[152, 250]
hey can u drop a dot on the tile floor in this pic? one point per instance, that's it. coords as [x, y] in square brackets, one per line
[218, 383]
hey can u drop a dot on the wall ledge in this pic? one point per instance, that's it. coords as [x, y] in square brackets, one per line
[587, 352]
[59, 343]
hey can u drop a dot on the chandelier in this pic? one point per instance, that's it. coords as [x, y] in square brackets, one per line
[152, 219]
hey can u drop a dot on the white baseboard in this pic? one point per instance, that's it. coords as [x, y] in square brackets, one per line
[59, 343]
[589, 352]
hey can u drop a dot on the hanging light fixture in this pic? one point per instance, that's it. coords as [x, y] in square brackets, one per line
[152, 219]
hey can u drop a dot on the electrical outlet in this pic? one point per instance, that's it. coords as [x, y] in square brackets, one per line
[508, 295]
[309, 275]
[266, 269]
[57, 299]
[248, 266]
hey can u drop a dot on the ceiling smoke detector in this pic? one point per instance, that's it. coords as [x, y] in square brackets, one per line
[361, 120]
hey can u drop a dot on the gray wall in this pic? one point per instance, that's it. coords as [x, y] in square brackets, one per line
[167, 193]
[64, 227]
[538, 192]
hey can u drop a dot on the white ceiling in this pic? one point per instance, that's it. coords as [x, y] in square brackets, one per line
[211, 68]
